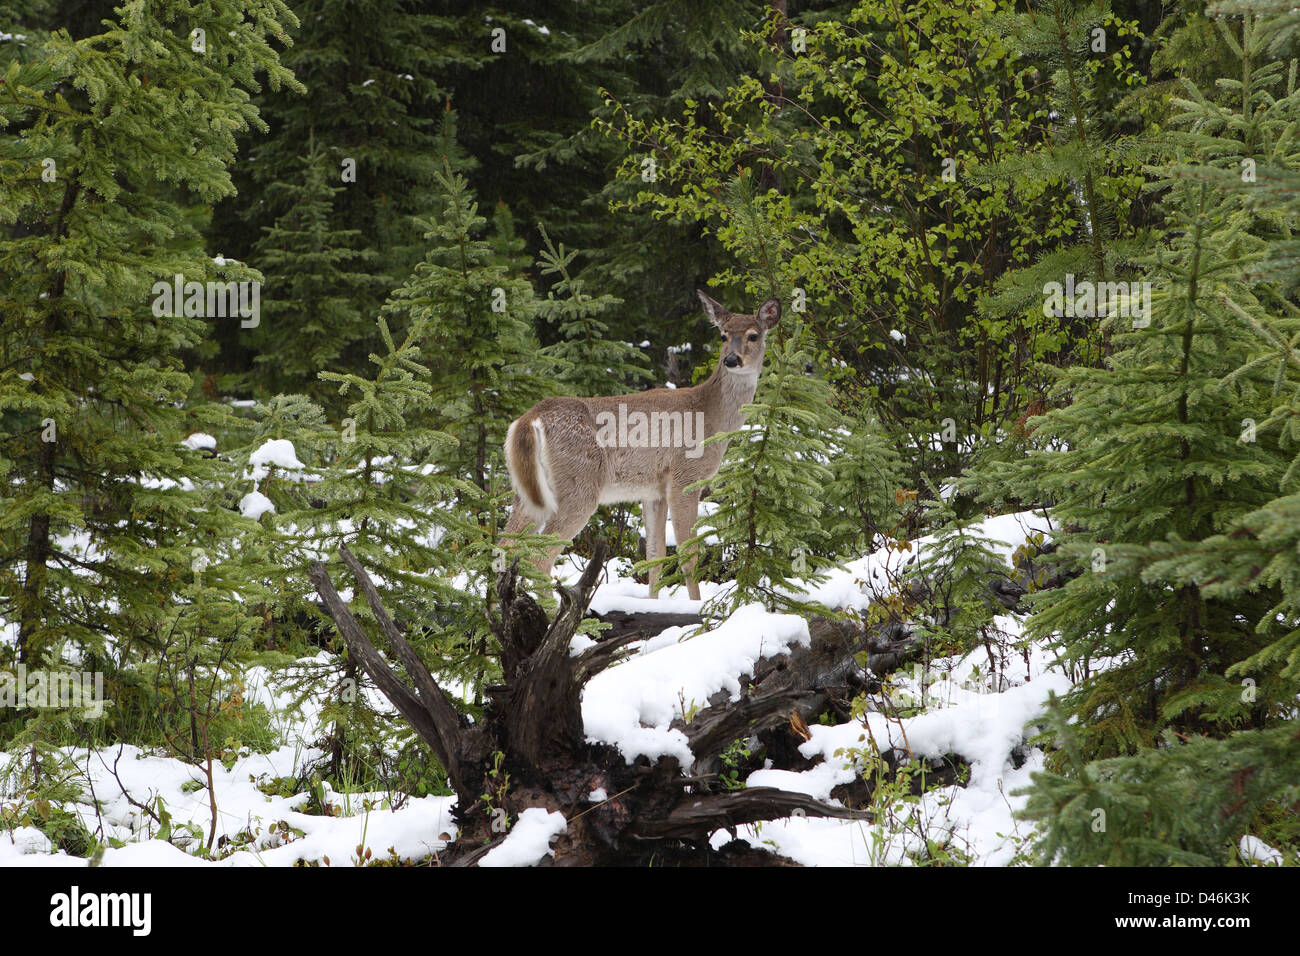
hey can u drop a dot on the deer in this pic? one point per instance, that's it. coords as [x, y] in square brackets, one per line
[568, 456]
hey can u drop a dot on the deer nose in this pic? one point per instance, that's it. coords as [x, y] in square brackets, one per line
[731, 361]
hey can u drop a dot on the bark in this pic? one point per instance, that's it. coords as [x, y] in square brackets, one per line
[530, 749]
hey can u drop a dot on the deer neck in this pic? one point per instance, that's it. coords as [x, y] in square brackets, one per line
[724, 393]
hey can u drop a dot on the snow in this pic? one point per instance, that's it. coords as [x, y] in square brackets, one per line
[22, 841]
[255, 829]
[1255, 850]
[632, 705]
[982, 727]
[274, 453]
[255, 504]
[977, 819]
[200, 440]
[529, 841]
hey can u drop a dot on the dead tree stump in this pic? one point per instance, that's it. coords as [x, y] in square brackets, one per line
[531, 751]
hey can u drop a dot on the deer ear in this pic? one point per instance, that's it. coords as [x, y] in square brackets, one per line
[714, 310]
[769, 313]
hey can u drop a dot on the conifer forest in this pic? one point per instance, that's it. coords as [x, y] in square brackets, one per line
[641, 433]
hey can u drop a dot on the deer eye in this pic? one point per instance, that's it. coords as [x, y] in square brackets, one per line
[724, 336]
[753, 336]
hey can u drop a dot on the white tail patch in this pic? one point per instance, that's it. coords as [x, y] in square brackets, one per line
[545, 479]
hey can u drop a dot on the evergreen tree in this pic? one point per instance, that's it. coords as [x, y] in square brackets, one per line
[317, 279]
[371, 84]
[652, 60]
[589, 362]
[951, 577]
[115, 536]
[768, 491]
[772, 524]
[97, 515]
[1186, 613]
[863, 500]
[1151, 448]
[477, 314]
[1087, 52]
[380, 495]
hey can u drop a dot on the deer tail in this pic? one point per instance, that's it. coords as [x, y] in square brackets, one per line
[525, 451]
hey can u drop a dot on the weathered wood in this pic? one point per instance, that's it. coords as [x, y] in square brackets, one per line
[806, 680]
[522, 626]
[446, 719]
[645, 623]
[697, 817]
[402, 697]
[595, 659]
[545, 709]
[533, 721]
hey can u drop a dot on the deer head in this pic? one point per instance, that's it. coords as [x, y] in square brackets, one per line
[744, 337]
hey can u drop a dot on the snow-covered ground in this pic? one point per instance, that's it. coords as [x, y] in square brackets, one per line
[631, 706]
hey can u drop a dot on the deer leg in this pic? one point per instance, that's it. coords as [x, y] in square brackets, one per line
[655, 515]
[685, 506]
[572, 517]
[519, 519]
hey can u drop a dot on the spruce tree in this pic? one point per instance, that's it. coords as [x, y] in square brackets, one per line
[317, 279]
[951, 579]
[863, 500]
[589, 362]
[767, 524]
[371, 84]
[773, 526]
[477, 313]
[380, 494]
[116, 538]
[652, 60]
[1188, 611]
[1086, 51]
[381, 497]
[1151, 448]
[97, 515]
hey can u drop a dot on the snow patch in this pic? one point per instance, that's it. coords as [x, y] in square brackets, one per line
[275, 453]
[255, 504]
[529, 842]
[632, 705]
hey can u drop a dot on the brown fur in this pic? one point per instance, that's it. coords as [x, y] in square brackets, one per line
[580, 473]
[521, 453]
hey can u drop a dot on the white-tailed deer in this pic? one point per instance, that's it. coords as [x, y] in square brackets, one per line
[568, 456]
